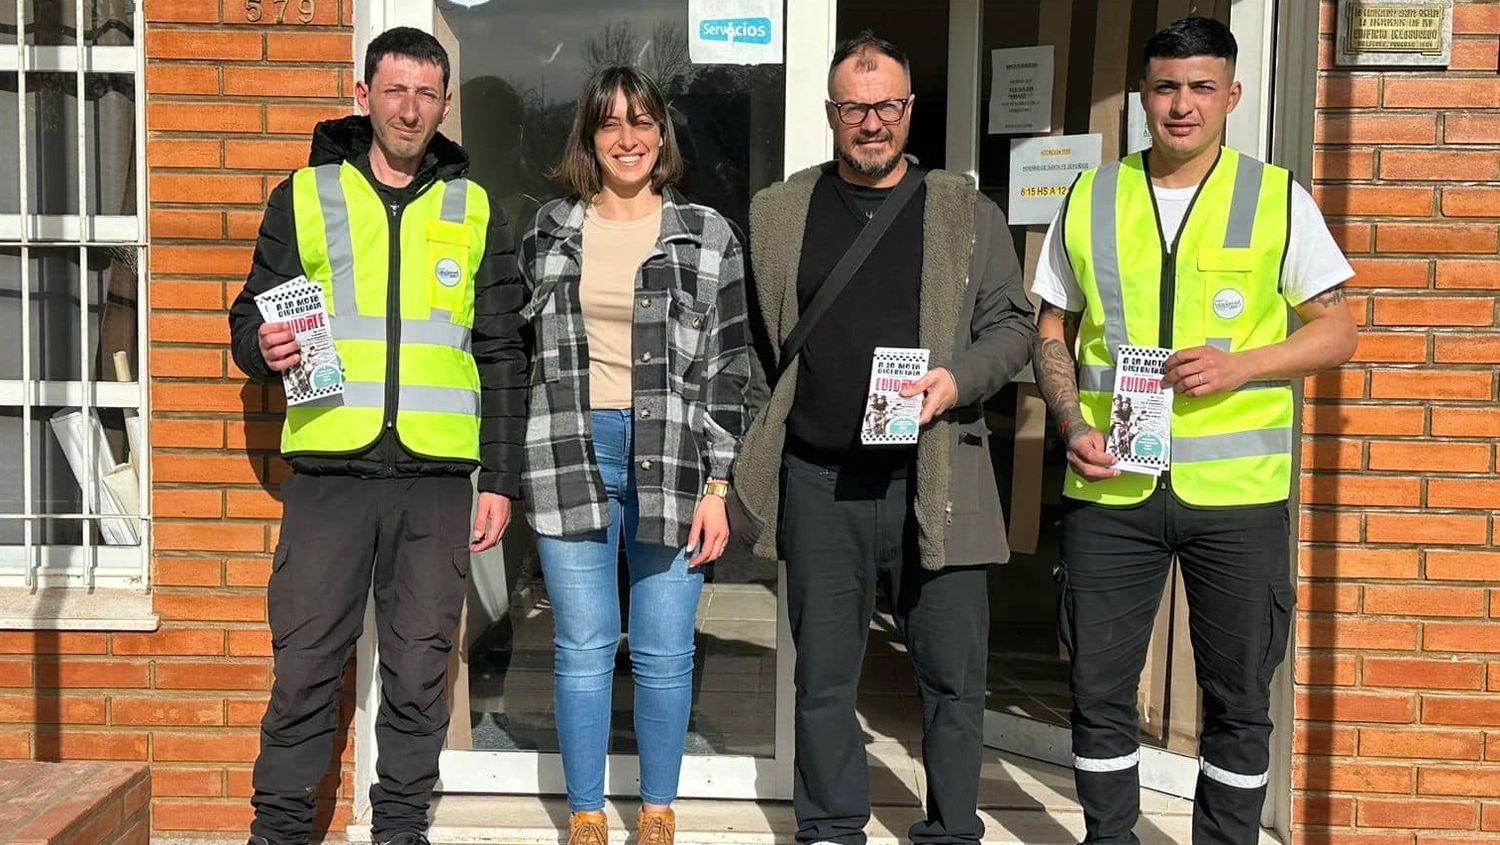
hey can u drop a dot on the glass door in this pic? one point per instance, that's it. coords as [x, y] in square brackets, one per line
[1096, 47]
[517, 70]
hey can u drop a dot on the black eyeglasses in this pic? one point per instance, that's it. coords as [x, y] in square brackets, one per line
[889, 111]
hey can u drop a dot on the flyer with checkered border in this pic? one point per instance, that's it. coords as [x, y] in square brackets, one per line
[320, 372]
[890, 418]
[1140, 415]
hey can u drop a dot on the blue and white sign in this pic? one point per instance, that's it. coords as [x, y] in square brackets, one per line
[735, 32]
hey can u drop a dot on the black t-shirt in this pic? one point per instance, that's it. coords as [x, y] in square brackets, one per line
[878, 308]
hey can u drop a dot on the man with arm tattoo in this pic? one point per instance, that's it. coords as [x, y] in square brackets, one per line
[1052, 362]
[1194, 247]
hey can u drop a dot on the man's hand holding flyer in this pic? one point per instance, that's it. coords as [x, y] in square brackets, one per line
[320, 373]
[1140, 416]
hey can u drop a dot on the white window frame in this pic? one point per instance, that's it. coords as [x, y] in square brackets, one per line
[91, 585]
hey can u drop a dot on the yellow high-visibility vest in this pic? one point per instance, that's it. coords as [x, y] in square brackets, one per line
[1219, 286]
[344, 234]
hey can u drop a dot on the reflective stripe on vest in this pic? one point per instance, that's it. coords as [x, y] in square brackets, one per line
[346, 322]
[371, 394]
[344, 230]
[1228, 449]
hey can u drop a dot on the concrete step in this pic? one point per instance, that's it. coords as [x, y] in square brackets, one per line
[74, 803]
[515, 820]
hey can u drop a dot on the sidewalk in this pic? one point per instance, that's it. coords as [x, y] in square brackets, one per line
[1023, 801]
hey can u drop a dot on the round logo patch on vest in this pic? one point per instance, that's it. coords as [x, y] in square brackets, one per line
[448, 273]
[1229, 303]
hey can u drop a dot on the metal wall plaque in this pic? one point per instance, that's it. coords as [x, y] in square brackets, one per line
[1394, 32]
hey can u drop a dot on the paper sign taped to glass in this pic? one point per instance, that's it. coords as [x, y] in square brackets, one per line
[1140, 413]
[735, 32]
[1043, 169]
[319, 373]
[1021, 90]
[890, 418]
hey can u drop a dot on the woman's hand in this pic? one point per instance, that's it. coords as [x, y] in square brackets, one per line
[710, 532]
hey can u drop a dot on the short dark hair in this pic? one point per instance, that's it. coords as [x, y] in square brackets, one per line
[580, 169]
[862, 46]
[409, 42]
[1189, 37]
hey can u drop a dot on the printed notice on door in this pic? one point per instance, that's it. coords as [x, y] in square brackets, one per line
[1042, 170]
[735, 32]
[1021, 90]
[1395, 32]
[1137, 133]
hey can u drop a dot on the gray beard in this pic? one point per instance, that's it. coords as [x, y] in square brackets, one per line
[871, 170]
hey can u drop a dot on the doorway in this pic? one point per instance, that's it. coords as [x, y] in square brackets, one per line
[518, 66]
[1094, 55]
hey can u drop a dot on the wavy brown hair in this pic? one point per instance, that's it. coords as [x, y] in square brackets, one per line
[579, 168]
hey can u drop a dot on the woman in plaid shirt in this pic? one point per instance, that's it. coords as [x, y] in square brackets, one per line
[636, 409]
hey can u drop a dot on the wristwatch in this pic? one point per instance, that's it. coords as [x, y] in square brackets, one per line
[716, 487]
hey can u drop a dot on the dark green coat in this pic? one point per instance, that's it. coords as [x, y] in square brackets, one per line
[970, 279]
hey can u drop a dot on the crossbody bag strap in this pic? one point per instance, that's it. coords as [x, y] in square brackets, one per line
[848, 265]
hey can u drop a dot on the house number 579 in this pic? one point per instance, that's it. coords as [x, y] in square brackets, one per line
[255, 10]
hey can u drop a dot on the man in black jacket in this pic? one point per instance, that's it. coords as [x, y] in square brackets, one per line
[419, 274]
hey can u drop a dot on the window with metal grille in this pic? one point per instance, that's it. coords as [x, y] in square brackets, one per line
[73, 437]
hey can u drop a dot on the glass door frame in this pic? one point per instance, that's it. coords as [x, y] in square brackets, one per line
[810, 38]
[1254, 23]
[809, 42]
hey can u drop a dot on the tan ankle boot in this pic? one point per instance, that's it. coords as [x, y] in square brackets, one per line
[588, 829]
[656, 828]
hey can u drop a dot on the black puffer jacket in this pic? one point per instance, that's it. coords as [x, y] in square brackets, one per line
[499, 348]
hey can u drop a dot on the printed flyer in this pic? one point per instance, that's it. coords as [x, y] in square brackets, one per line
[890, 418]
[319, 373]
[1140, 417]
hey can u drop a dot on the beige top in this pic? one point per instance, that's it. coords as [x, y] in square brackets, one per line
[613, 251]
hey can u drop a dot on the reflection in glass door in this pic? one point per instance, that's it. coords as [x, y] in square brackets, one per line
[948, 43]
[1096, 47]
[518, 67]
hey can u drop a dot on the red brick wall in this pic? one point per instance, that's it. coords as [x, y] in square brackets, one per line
[1398, 667]
[230, 105]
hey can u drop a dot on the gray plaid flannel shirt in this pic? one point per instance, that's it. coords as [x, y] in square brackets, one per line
[691, 367]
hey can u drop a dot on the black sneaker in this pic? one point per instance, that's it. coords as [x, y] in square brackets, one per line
[258, 840]
[406, 838]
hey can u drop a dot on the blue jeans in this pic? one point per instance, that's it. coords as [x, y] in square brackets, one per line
[582, 585]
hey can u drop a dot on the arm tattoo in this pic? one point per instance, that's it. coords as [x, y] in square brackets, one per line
[1056, 379]
[1331, 297]
[1070, 319]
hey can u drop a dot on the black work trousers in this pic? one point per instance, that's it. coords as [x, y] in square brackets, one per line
[338, 534]
[843, 535]
[1115, 562]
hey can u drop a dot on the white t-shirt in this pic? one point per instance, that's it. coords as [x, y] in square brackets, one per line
[1314, 262]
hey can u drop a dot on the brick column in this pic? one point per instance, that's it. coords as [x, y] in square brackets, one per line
[231, 105]
[1398, 669]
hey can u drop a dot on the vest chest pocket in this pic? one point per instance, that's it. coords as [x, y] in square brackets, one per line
[687, 326]
[1234, 287]
[450, 284]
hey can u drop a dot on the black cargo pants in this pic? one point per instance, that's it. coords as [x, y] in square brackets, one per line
[844, 534]
[338, 533]
[1115, 562]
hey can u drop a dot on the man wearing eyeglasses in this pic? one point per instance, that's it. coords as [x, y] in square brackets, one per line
[918, 522]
